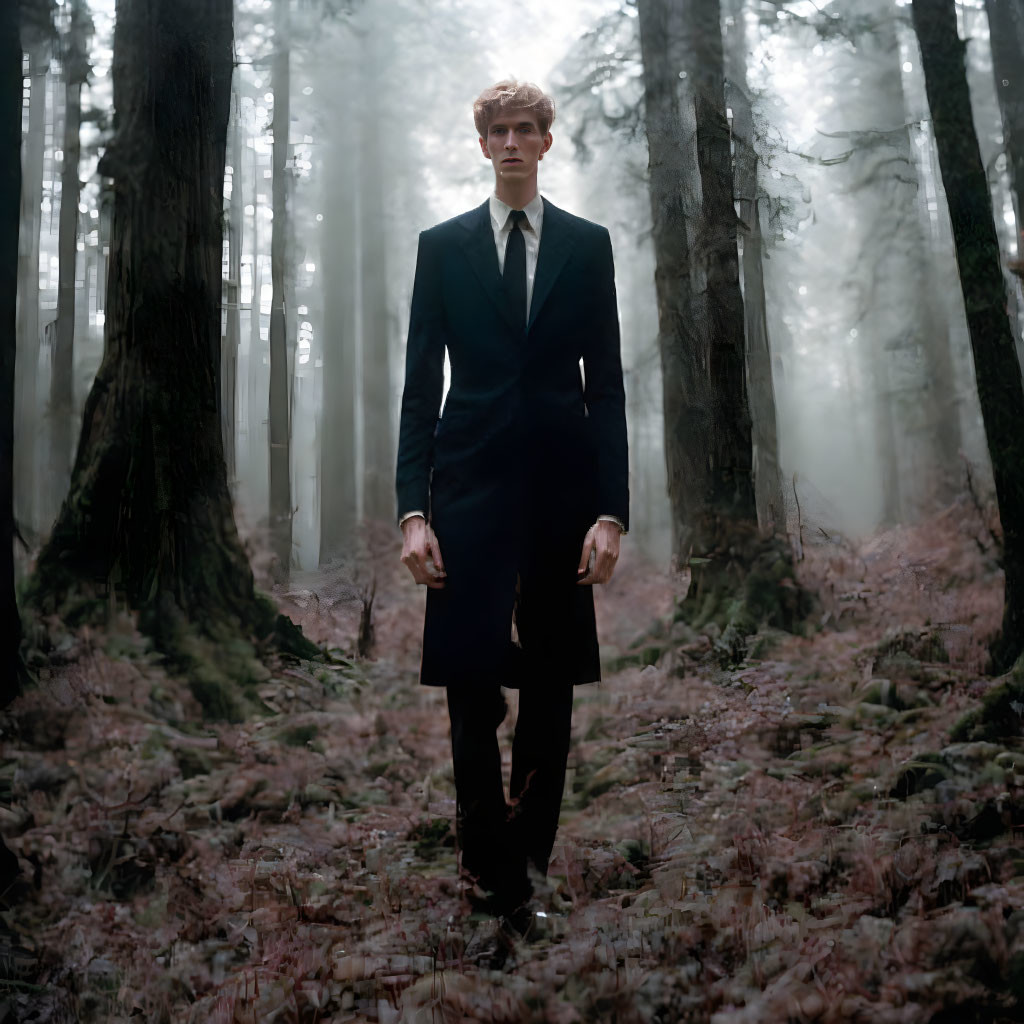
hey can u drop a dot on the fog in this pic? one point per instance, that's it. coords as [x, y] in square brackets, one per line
[871, 361]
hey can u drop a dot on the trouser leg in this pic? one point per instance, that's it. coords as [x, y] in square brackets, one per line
[539, 754]
[475, 713]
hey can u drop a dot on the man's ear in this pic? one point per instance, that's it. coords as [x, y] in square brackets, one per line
[548, 139]
[483, 148]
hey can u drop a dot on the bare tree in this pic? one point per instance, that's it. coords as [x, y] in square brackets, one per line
[378, 444]
[37, 34]
[10, 213]
[672, 179]
[338, 451]
[280, 427]
[997, 369]
[767, 471]
[75, 63]
[232, 288]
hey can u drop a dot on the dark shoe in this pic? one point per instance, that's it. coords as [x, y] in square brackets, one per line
[499, 900]
[489, 947]
[521, 922]
[480, 899]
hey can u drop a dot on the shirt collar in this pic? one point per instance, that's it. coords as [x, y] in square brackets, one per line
[500, 210]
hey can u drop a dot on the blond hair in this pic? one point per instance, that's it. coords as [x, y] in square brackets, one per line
[513, 95]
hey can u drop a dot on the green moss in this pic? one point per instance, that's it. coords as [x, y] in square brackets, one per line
[926, 771]
[192, 761]
[217, 698]
[299, 735]
[1001, 713]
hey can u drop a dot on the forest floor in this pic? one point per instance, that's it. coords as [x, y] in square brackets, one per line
[793, 839]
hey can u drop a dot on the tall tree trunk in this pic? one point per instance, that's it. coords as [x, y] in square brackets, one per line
[1000, 391]
[229, 362]
[708, 441]
[378, 447]
[76, 69]
[672, 174]
[338, 451]
[767, 469]
[918, 431]
[148, 515]
[10, 212]
[1006, 33]
[26, 410]
[280, 469]
[254, 407]
[729, 503]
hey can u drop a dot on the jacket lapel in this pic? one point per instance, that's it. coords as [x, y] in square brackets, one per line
[555, 245]
[478, 243]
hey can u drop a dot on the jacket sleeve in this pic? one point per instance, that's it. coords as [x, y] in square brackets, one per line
[604, 393]
[424, 382]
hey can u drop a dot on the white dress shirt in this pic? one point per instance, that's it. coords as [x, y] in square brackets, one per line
[501, 225]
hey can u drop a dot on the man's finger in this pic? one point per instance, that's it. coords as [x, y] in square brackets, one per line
[435, 550]
[588, 544]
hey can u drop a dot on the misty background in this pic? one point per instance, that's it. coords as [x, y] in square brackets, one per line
[870, 356]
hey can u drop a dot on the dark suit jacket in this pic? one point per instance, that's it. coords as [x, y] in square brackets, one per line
[525, 456]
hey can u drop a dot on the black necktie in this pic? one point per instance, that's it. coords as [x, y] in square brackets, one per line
[515, 267]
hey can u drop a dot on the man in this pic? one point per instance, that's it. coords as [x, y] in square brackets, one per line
[512, 505]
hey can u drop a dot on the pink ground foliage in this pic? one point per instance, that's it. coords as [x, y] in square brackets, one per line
[795, 839]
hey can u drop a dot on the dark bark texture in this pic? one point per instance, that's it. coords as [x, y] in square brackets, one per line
[730, 499]
[148, 514]
[700, 308]
[1000, 392]
[10, 212]
[771, 511]
[671, 169]
[280, 432]
[736, 573]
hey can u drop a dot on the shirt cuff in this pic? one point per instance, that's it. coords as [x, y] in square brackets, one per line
[615, 519]
[409, 515]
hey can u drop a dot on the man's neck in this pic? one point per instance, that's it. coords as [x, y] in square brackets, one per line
[516, 193]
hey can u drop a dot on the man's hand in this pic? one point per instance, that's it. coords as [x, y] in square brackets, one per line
[602, 537]
[421, 552]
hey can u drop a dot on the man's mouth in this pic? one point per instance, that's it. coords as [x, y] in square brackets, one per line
[512, 160]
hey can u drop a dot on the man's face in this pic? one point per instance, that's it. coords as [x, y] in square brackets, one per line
[515, 144]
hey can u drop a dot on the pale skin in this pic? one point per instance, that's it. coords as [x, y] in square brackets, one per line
[515, 145]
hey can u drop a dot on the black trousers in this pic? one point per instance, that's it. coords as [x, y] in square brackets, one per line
[497, 837]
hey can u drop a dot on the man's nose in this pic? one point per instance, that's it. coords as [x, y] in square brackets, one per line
[510, 142]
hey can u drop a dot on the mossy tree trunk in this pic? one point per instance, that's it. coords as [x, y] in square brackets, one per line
[997, 369]
[737, 574]
[148, 517]
[10, 216]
